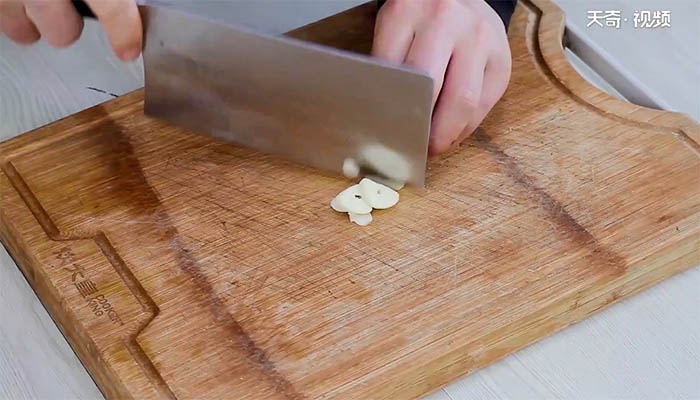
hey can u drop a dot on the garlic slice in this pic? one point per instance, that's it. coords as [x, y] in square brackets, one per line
[377, 195]
[351, 200]
[386, 162]
[360, 219]
[392, 183]
[336, 206]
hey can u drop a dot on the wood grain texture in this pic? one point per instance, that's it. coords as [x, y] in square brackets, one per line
[645, 347]
[538, 232]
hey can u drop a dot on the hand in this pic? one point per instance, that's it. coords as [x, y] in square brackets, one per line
[57, 21]
[463, 45]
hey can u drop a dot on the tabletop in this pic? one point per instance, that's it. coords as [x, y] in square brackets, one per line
[647, 346]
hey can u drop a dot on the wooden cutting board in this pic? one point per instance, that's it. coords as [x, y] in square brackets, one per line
[180, 267]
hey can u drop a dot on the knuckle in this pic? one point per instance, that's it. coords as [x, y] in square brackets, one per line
[57, 41]
[27, 39]
[491, 101]
[393, 7]
[398, 3]
[111, 10]
[444, 9]
[21, 36]
[65, 39]
[489, 104]
[482, 30]
[446, 142]
[40, 7]
[467, 100]
[441, 146]
[502, 68]
[22, 32]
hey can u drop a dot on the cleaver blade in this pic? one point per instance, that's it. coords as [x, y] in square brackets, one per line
[304, 102]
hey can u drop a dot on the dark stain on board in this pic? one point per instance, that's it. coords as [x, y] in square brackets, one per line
[599, 254]
[132, 188]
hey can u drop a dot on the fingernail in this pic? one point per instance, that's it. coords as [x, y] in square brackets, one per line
[129, 54]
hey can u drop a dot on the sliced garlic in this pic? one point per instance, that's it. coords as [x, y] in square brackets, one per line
[392, 183]
[336, 206]
[386, 162]
[351, 200]
[377, 195]
[360, 219]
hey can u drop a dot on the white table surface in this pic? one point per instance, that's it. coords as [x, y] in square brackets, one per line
[645, 347]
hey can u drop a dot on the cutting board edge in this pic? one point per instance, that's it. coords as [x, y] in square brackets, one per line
[548, 39]
[67, 322]
[42, 136]
[612, 293]
[581, 304]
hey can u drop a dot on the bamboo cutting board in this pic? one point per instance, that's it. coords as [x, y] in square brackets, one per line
[180, 267]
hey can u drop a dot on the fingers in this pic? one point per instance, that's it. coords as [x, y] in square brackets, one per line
[15, 23]
[57, 20]
[393, 35]
[60, 24]
[462, 45]
[493, 88]
[431, 51]
[122, 21]
[496, 77]
[459, 99]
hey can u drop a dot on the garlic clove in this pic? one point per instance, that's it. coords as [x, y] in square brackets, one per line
[351, 200]
[336, 206]
[392, 183]
[360, 219]
[377, 195]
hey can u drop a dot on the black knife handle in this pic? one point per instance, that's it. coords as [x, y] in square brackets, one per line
[83, 9]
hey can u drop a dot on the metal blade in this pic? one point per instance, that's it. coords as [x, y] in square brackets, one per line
[304, 102]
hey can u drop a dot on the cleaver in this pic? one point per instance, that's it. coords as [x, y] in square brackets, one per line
[307, 103]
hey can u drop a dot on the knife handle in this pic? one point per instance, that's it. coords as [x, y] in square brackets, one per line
[83, 9]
